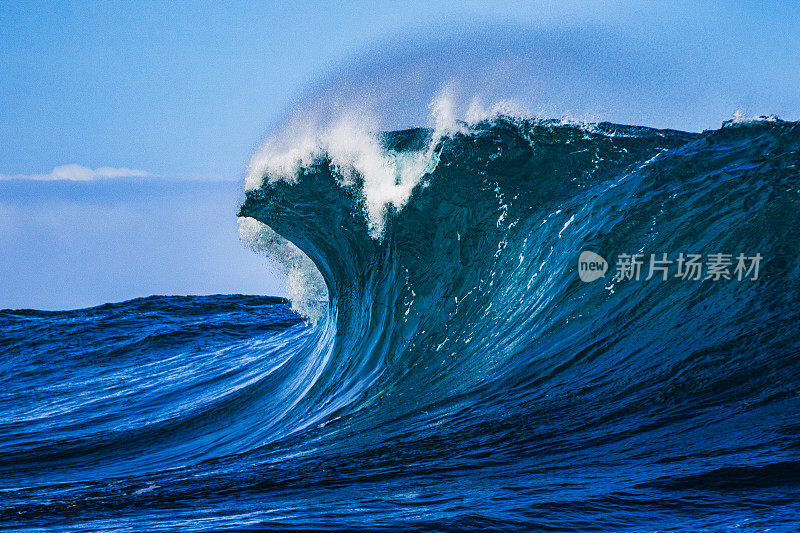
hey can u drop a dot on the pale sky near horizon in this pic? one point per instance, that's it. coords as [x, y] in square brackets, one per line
[154, 92]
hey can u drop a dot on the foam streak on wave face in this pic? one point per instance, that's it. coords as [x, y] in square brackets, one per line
[354, 149]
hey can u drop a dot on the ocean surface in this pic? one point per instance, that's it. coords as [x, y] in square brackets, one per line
[451, 369]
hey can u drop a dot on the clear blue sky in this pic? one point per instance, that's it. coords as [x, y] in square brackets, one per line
[187, 90]
[180, 88]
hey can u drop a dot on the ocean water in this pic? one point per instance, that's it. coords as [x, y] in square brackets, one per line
[452, 371]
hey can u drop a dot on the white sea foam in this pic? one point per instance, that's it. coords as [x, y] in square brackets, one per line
[354, 150]
[304, 283]
[352, 144]
[741, 118]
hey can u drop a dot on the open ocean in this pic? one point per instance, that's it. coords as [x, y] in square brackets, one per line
[452, 371]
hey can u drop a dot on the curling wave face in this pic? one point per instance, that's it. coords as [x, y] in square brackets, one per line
[457, 373]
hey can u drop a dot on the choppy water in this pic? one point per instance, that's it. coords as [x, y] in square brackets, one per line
[460, 375]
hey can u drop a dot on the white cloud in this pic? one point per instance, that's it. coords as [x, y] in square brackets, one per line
[75, 172]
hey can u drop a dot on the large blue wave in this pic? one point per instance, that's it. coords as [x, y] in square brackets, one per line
[460, 374]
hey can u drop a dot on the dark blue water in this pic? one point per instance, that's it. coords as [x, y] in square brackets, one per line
[460, 376]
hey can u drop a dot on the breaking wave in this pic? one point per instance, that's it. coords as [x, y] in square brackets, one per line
[456, 372]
